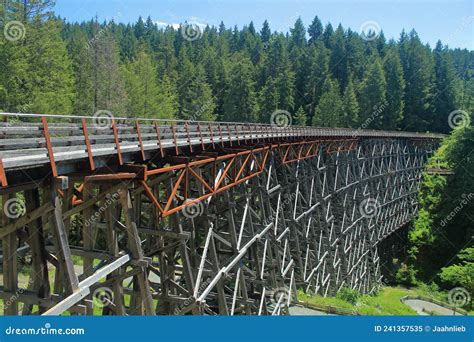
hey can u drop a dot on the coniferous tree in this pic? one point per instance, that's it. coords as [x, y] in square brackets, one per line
[265, 33]
[301, 119]
[298, 35]
[418, 69]
[50, 82]
[398, 85]
[338, 59]
[240, 102]
[142, 86]
[318, 70]
[195, 100]
[108, 84]
[350, 106]
[329, 111]
[395, 90]
[315, 30]
[78, 48]
[444, 100]
[328, 35]
[373, 96]
[268, 100]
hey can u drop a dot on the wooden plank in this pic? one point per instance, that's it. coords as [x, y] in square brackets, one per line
[84, 286]
[63, 252]
[39, 280]
[30, 298]
[10, 271]
[134, 244]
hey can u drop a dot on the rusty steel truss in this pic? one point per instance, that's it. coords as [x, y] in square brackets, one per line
[131, 217]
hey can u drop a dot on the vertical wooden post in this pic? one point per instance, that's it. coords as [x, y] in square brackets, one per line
[134, 244]
[39, 281]
[10, 271]
[88, 235]
[63, 251]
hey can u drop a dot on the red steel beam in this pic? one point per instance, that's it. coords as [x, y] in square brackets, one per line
[49, 146]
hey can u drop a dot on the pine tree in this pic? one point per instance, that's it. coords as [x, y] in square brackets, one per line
[330, 111]
[142, 86]
[373, 96]
[78, 48]
[50, 80]
[350, 106]
[268, 100]
[318, 70]
[315, 30]
[356, 61]
[444, 101]
[107, 78]
[328, 36]
[419, 74]
[265, 33]
[240, 102]
[195, 100]
[167, 100]
[298, 35]
[395, 90]
[301, 119]
[338, 59]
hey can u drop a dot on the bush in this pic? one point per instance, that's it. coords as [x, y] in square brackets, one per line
[349, 295]
[406, 275]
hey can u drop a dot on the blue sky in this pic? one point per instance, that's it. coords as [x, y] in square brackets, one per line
[452, 21]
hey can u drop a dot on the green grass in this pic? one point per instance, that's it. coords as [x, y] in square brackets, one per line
[386, 302]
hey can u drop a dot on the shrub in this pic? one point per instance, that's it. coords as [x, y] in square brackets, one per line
[349, 295]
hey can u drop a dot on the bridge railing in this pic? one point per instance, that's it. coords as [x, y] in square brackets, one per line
[34, 139]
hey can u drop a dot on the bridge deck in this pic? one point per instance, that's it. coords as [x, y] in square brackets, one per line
[32, 140]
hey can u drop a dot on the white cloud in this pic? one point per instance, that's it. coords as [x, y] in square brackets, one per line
[176, 26]
[164, 24]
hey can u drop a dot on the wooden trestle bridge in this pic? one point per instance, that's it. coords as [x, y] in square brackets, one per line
[144, 216]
